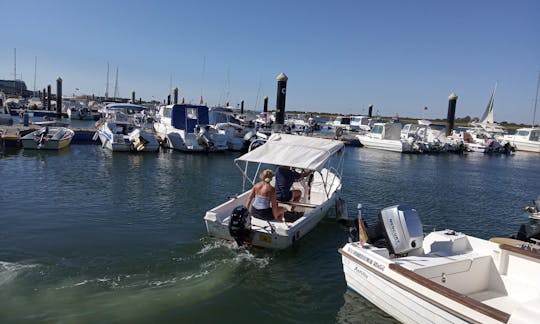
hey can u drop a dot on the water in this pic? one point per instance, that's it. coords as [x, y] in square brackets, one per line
[87, 235]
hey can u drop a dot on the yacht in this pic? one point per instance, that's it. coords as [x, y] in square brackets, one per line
[185, 127]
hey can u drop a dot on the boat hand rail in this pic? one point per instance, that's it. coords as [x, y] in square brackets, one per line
[437, 288]
[449, 293]
[521, 251]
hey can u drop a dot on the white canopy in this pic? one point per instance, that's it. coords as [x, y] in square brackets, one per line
[293, 150]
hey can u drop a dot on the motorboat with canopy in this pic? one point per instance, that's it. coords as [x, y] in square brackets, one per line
[320, 192]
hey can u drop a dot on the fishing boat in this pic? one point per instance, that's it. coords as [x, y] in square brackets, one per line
[385, 136]
[124, 131]
[185, 127]
[320, 192]
[443, 277]
[48, 138]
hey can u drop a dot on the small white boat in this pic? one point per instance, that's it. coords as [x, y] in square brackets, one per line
[444, 277]
[320, 193]
[48, 138]
[185, 127]
[525, 139]
[385, 136]
[124, 133]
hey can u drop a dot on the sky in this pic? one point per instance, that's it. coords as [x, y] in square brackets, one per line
[339, 56]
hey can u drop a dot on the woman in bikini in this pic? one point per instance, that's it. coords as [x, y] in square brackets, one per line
[262, 199]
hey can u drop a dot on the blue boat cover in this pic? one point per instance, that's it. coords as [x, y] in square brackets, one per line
[186, 117]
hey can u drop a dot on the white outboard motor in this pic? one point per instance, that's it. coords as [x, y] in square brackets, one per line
[202, 137]
[402, 228]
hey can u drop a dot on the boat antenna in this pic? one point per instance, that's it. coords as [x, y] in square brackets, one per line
[536, 100]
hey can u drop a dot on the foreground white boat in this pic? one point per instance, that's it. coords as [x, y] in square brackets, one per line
[319, 193]
[444, 277]
[48, 138]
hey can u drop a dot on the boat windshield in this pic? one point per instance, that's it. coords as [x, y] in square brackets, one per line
[377, 129]
[535, 136]
[523, 133]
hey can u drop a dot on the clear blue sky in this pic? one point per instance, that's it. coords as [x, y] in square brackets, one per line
[340, 56]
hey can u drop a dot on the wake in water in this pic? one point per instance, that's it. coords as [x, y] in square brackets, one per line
[8, 271]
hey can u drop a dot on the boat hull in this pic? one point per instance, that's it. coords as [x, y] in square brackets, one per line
[382, 144]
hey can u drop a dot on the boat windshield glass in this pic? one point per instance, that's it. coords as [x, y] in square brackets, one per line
[523, 133]
[191, 113]
[377, 129]
[167, 112]
[535, 136]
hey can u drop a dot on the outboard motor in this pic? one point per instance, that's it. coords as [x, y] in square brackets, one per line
[202, 138]
[400, 225]
[240, 225]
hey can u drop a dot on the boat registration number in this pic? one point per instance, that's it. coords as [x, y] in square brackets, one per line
[265, 238]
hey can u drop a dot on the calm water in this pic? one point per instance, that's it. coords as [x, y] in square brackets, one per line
[87, 235]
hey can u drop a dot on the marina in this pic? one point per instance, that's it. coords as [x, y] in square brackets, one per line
[224, 162]
[106, 231]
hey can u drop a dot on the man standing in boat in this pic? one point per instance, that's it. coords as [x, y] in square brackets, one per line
[285, 177]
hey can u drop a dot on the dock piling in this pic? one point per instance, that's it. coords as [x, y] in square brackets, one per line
[370, 111]
[242, 107]
[59, 96]
[175, 95]
[280, 100]
[49, 97]
[133, 97]
[265, 107]
[452, 99]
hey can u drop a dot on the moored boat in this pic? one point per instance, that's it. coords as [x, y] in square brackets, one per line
[320, 193]
[48, 138]
[123, 130]
[385, 136]
[186, 127]
[444, 277]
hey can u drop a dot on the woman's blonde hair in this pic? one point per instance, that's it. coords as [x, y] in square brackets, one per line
[267, 175]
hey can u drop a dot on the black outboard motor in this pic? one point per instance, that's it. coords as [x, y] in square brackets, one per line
[240, 225]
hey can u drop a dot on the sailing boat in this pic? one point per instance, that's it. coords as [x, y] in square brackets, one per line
[486, 122]
[527, 139]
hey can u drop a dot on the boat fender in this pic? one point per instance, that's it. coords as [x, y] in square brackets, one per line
[240, 225]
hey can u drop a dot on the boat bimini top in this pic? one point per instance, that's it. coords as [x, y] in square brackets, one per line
[301, 152]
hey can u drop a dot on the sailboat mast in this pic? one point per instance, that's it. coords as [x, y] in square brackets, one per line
[116, 94]
[35, 69]
[107, 83]
[14, 64]
[536, 99]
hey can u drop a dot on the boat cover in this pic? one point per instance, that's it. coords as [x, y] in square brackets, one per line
[293, 150]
